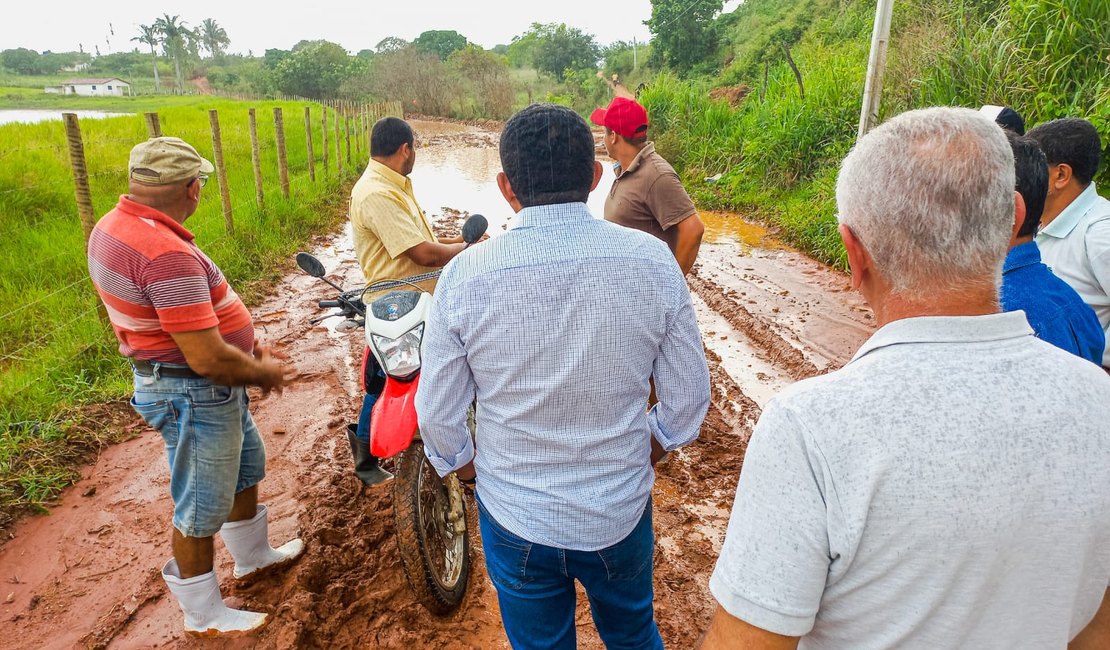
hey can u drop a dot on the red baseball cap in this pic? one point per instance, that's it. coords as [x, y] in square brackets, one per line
[624, 117]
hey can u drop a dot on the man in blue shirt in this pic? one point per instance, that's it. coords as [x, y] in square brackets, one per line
[1055, 311]
[556, 327]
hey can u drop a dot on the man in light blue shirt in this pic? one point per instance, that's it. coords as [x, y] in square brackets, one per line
[1075, 233]
[556, 327]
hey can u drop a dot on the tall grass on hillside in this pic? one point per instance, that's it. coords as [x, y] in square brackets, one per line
[773, 152]
[1046, 58]
[55, 352]
[778, 153]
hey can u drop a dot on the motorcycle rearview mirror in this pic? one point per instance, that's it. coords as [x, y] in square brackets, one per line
[474, 228]
[310, 265]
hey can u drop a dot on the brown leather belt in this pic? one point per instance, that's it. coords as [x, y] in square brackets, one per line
[144, 367]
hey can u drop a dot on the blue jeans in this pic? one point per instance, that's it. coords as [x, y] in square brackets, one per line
[370, 398]
[363, 430]
[535, 588]
[212, 445]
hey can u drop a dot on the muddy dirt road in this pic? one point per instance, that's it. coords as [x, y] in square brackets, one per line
[87, 574]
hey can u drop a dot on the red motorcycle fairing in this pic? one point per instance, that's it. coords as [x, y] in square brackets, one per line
[393, 420]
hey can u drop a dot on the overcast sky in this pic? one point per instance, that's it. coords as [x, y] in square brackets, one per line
[256, 26]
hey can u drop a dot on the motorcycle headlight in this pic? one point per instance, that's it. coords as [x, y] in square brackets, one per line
[402, 354]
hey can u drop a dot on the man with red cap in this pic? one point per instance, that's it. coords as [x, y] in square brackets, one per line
[647, 194]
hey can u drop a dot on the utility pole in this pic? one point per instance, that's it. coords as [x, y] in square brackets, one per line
[876, 64]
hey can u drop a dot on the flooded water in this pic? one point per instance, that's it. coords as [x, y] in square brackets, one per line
[465, 178]
[770, 313]
[724, 227]
[35, 116]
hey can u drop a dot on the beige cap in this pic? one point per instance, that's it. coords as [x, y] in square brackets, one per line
[166, 160]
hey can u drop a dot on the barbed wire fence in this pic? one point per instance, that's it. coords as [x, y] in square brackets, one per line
[283, 154]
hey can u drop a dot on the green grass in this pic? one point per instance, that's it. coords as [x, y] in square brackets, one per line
[779, 153]
[56, 356]
[31, 98]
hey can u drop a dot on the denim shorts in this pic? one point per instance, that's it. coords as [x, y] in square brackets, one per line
[212, 445]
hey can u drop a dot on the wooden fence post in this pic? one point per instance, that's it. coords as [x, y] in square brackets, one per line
[80, 174]
[283, 163]
[256, 159]
[81, 191]
[369, 125]
[221, 170]
[153, 125]
[324, 145]
[308, 143]
[338, 147]
[357, 135]
[347, 135]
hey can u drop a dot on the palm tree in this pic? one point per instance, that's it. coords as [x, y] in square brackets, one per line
[214, 38]
[148, 34]
[175, 37]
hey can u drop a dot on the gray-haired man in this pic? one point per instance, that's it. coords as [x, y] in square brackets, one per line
[930, 494]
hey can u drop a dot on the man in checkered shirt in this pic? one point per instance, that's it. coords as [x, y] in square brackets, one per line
[554, 329]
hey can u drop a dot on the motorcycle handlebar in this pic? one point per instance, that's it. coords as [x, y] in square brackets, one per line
[328, 304]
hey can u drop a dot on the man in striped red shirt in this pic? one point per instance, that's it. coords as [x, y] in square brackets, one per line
[191, 342]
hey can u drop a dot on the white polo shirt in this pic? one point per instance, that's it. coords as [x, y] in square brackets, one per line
[948, 488]
[1076, 246]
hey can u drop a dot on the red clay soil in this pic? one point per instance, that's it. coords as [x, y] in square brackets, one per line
[734, 94]
[87, 574]
[201, 84]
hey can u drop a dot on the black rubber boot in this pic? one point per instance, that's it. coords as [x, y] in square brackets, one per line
[367, 468]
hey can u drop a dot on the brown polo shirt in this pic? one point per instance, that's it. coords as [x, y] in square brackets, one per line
[648, 196]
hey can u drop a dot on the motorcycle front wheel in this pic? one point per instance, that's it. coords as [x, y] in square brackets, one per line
[430, 519]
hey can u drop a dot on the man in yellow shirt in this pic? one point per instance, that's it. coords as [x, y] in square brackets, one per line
[393, 240]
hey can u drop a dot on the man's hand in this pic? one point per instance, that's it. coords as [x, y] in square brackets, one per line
[657, 451]
[274, 375]
[459, 239]
[466, 472]
[210, 356]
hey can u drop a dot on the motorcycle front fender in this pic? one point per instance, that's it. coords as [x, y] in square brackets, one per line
[393, 421]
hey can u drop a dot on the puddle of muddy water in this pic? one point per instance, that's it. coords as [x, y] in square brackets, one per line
[465, 178]
[724, 227]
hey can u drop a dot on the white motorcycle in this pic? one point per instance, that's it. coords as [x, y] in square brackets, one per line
[429, 512]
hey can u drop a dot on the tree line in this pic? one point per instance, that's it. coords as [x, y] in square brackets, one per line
[438, 72]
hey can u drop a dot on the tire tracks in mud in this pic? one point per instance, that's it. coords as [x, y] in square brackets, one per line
[350, 590]
[124, 612]
[692, 499]
[778, 350]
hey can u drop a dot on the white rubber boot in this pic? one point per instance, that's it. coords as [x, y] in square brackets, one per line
[206, 615]
[249, 544]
